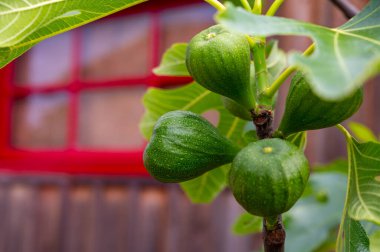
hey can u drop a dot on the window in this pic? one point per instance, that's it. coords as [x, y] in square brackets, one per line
[73, 102]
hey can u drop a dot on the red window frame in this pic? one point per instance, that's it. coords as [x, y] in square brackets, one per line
[71, 160]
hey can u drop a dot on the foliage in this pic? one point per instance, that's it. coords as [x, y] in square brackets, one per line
[333, 47]
[25, 23]
[352, 50]
[173, 61]
[361, 132]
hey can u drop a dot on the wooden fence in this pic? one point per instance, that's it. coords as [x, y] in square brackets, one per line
[88, 214]
[92, 214]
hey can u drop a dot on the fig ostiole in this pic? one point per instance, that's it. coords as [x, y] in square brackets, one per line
[220, 61]
[183, 146]
[267, 177]
[304, 110]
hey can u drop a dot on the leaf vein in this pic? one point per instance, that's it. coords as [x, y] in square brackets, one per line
[35, 6]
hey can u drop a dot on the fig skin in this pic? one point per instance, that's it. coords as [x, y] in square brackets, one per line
[304, 110]
[183, 146]
[268, 176]
[220, 61]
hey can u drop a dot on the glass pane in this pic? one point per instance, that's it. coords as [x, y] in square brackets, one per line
[46, 64]
[116, 48]
[109, 118]
[181, 24]
[40, 121]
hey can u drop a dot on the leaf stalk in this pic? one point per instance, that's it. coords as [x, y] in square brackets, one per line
[274, 7]
[216, 4]
[272, 89]
[257, 7]
[246, 5]
[339, 242]
[345, 132]
[261, 72]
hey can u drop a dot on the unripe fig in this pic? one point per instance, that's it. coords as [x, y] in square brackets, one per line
[220, 61]
[184, 146]
[306, 111]
[268, 176]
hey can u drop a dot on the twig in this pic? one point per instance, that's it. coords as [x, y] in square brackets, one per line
[348, 9]
[263, 120]
[274, 238]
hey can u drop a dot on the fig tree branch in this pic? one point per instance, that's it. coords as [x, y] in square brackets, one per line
[348, 9]
[274, 237]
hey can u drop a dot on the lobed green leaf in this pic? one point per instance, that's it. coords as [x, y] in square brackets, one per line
[25, 23]
[352, 50]
[364, 182]
[375, 241]
[173, 61]
[361, 132]
[206, 187]
[355, 237]
[276, 61]
[246, 224]
[310, 222]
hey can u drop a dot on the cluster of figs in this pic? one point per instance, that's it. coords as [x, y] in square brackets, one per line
[267, 176]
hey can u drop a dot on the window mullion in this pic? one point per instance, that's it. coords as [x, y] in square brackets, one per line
[75, 86]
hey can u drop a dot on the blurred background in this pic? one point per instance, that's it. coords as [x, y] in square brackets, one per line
[71, 172]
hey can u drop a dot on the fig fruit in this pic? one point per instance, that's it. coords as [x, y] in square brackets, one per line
[267, 177]
[184, 146]
[219, 60]
[306, 111]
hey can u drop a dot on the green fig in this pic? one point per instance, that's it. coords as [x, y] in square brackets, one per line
[306, 111]
[267, 177]
[183, 146]
[220, 61]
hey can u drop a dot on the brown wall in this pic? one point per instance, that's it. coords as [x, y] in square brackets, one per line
[82, 214]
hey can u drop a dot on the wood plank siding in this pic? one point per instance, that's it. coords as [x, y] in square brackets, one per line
[62, 213]
[73, 214]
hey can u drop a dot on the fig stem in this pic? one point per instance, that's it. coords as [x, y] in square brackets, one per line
[271, 91]
[274, 7]
[274, 235]
[261, 71]
[216, 4]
